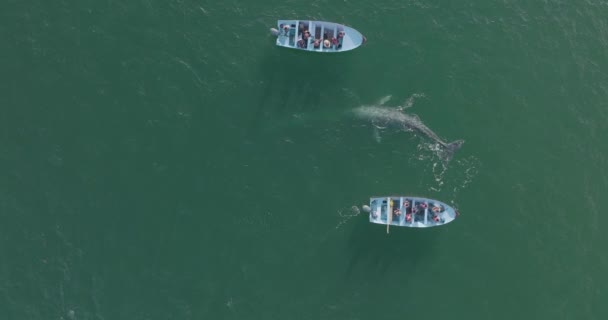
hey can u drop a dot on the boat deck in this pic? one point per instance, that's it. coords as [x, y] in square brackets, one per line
[340, 38]
[410, 212]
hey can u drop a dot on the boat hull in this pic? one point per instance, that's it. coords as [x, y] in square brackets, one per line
[340, 37]
[412, 212]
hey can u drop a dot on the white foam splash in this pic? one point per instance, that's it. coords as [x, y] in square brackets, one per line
[409, 102]
[346, 214]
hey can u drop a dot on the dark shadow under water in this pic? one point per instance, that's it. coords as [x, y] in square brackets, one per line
[291, 82]
[373, 250]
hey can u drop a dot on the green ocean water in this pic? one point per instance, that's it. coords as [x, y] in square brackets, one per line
[165, 160]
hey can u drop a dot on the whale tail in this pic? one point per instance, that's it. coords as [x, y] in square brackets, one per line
[450, 149]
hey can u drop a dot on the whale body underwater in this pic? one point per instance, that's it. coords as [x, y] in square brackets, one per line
[394, 117]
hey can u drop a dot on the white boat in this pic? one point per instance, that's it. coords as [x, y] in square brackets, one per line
[413, 212]
[317, 36]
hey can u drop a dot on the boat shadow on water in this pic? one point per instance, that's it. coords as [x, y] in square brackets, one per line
[291, 82]
[374, 251]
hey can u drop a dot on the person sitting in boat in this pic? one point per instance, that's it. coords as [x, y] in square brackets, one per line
[317, 43]
[303, 43]
[289, 31]
[326, 44]
[334, 42]
[437, 208]
[285, 28]
[415, 211]
[397, 212]
[408, 217]
[436, 218]
[422, 207]
[340, 39]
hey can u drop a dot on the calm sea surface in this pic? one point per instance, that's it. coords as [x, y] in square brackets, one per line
[165, 160]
